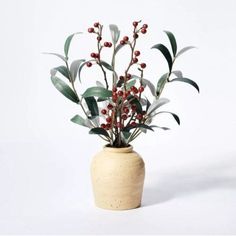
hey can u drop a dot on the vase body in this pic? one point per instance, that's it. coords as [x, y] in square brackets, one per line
[117, 178]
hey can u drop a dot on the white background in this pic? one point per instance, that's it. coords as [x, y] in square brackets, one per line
[190, 184]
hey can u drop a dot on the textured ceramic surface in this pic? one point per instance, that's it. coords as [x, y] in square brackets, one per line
[117, 178]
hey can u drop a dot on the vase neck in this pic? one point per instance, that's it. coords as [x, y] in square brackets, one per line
[118, 150]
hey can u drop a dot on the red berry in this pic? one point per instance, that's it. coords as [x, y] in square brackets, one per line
[143, 30]
[122, 77]
[109, 106]
[141, 89]
[90, 30]
[110, 44]
[106, 44]
[124, 116]
[133, 123]
[89, 64]
[139, 116]
[143, 65]
[135, 23]
[145, 26]
[99, 38]
[135, 60]
[97, 55]
[132, 88]
[114, 89]
[120, 93]
[103, 126]
[126, 110]
[114, 97]
[108, 119]
[135, 35]
[96, 24]
[93, 54]
[104, 111]
[122, 42]
[125, 38]
[137, 53]
[135, 91]
[127, 93]
[133, 107]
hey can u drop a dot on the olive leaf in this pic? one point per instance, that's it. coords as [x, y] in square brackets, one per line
[68, 42]
[165, 51]
[61, 69]
[183, 50]
[97, 92]
[99, 131]
[64, 89]
[161, 83]
[92, 106]
[74, 67]
[77, 119]
[57, 55]
[172, 42]
[173, 114]
[106, 65]
[156, 104]
[115, 33]
[189, 81]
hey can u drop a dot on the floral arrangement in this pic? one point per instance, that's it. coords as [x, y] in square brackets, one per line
[118, 110]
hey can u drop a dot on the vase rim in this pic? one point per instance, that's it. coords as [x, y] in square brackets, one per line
[118, 149]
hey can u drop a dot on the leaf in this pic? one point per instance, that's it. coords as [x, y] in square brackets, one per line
[74, 68]
[118, 47]
[130, 84]
[173, 114]
[67, 43]
[80, 69]
[155, 126]
[177, 73]
[106, 65]
[63, 70]
[99, 84]
[189, 81]
[92, 106]
[115, 33]
[97, 92]
[161, 83]
[148, 104]
[64, 89]
[135, 101]
[125, 134]
[156, 104]
[164, 50]
[56, 54]
[77, 119]
[99, 131]
[183, 50]
[144, 126]
[172, 42]
[150, 86]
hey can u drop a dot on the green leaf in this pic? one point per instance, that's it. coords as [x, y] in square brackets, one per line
[144, 126]
[150, 86]
[99, 131]
[125, 134]
[99, 84]
[135, 101]
[67, 43]
[178, 73]
[130, 84]
[63, 70]
[57, 55]
[164, 50]
[159, 127]
[156, 104]
[80, 69]
[106, 65]
[173, 114]
[115, 33]
[74, 68]
[183, 50]
[189, 81]
[92, 106]
[97, 92]
[118, 47]
[64, 89]
[77, 119]
[172, 42]
[161, 83]
[148, 104]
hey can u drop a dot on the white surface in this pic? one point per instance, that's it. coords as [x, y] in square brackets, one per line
[190, 185]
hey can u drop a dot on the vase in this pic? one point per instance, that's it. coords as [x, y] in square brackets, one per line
[117, 178]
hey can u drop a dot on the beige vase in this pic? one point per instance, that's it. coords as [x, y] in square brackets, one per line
[117, 178]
